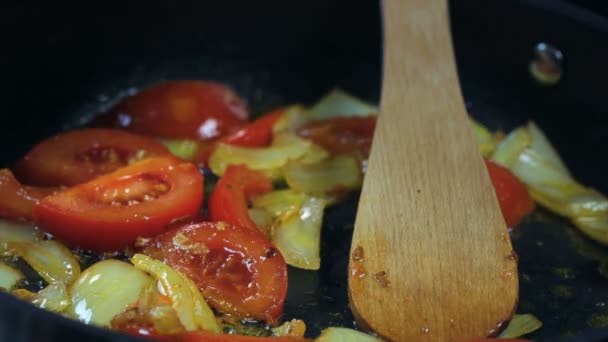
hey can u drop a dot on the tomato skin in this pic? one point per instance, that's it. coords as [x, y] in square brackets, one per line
[340, 135]
[111, 211]
[229, 199]
[203, 336]
[238, 270]
[256, 134]
[16, 200]
[514, 200]
[78, 156]
[180, 109]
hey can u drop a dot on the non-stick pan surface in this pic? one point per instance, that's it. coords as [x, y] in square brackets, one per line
[62, 63]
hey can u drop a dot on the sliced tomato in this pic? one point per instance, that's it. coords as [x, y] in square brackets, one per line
[513, 198]
[229, 199]
[78, 156]
[256, 134]
[17, 200]
[238, 270]
[111, 211]
[351, 135]
[203, 336]
[180, 109]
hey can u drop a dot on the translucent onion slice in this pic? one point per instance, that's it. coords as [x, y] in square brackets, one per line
[292, 118]
[186, 299]
[285, 147]
[542, 146]
[16, 231]
[508, 151]
[531, 157]
[339, 103]
[337, 174]
[521, 325]
[182, 148]
[9, 277]
[52, 260]
[280, 202]
[54, 297]
[293, 328]
[485, 139]
[298, 235]
[345, 335]
[262, 219]
[106, 289]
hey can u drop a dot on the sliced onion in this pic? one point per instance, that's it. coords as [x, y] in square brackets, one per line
[280, 202]
[339, 103]
[52, 260]
[262, 219]
[9, 277]
[542, 146]
[521, 325]
[285, 147]
[298, 236]
[186, 299]
[345, 335]
[337, 174]
[508, 151]
[485, 139]
[531, 157]
[106, 289]
[182, 148]
[292, 118]
[293, 328]
[16, 231]
[54, 297]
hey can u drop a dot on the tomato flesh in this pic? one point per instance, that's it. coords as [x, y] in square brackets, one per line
[513, 198]
[339, 135]
[180, 110]
[238, 270]
[229, 199]
[256, 134]
[16, 200]
[111, 211]
[78, 156]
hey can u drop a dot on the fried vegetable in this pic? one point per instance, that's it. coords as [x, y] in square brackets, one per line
[182, 148]
[106, 289]
[16, 231]
[531, 157]
[345, 335]
[485, 139]
[52, 260]
[186, 299]
[9, 277]
[339, 103]
[292, 118]
[521, 325]
[293, 328]
[296, 231]
[285, 147]
[53, 297]
[337, 174]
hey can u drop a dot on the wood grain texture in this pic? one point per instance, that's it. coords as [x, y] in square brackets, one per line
[431, 259]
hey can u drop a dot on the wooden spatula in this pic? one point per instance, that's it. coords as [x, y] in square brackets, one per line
[431, 259]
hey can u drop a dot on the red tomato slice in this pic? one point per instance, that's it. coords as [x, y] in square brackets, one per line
[238, 270]
[352, 135]
[78, 156]
[111, 211]
[229, 199]
[514, 200]
[16, 200]
[180, 109]
[256, 134]
[203, 336]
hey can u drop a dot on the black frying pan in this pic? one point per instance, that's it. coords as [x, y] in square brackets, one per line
[62, 63]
